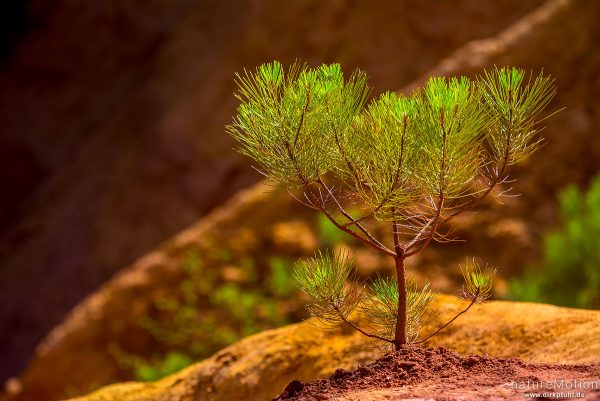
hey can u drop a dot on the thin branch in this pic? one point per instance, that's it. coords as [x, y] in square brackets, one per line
[475, 202]
[356, 235]
[435, 221]
[321, 207]
[473, 301]
[394, 181]
[342, 151]
[304, 111]
[350, 218]
[307, 204]
[355, 327]
[496, 179]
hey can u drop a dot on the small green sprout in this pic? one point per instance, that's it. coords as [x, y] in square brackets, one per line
[478, 282]
[326, 278]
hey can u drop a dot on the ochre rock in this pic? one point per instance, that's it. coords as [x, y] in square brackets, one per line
[259, 367]
[112, 314]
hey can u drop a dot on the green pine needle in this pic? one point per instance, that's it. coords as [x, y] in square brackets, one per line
[380, 307]
[478, 282]
[326, 279]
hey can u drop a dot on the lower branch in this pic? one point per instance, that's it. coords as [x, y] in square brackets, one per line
[355, 327]
[473, 301]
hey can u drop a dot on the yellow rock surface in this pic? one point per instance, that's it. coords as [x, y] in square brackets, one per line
[259, 367]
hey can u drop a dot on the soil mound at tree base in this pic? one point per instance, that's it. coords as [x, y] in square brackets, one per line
[421, 373]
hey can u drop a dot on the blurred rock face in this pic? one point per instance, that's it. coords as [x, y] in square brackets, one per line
[112, 120]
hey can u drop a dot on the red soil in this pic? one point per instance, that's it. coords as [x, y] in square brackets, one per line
[418, 373]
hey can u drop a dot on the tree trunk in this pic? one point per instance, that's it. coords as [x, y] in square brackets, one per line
[400, 333]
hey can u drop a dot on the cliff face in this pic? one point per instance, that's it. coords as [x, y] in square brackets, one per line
[112, 120]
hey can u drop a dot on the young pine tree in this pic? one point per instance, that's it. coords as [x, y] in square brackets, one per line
[410, 163]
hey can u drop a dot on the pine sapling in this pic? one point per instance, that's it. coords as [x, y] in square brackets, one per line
[411, 163]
